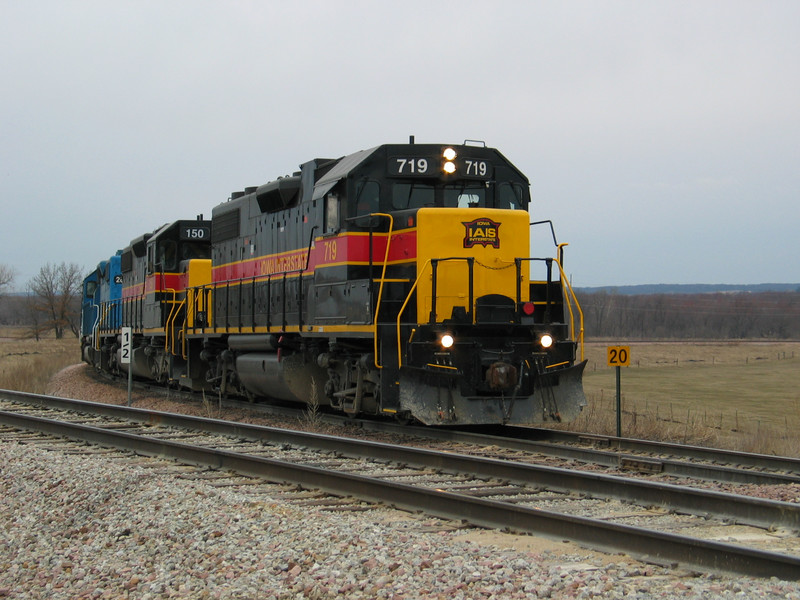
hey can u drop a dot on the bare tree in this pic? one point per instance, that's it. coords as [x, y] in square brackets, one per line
[6, 278]
[55, 292]
[33, 316]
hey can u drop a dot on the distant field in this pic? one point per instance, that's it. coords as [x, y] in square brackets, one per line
[27, 365]
[743, 395]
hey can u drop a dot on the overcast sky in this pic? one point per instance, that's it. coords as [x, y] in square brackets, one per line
[662, 138]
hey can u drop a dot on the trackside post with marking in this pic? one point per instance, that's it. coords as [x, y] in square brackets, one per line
[618, 357]
[125, 357]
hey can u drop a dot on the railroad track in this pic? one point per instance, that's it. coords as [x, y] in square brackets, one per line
[659, 522]
[624, 454]
[564, 448]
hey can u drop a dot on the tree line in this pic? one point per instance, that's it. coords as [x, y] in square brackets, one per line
[723, 315]
[51, 300]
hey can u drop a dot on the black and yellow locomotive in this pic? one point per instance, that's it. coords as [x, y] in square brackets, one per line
[395, 281]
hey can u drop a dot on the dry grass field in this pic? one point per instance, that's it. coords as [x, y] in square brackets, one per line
[27, 365]
[738, 395]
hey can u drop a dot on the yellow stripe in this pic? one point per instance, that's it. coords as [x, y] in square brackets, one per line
[443, 367]
[561, 364]
[277, 329]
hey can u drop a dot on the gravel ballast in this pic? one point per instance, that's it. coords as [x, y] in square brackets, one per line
[75, 526]
[81, 527]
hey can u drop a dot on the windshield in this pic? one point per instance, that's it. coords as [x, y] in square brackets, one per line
[412, 195]
[465, 195]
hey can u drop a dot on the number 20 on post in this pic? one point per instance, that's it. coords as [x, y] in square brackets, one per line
[619, 356]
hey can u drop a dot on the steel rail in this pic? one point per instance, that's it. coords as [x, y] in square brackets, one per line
[646, 544]
[533, 443]
[747, 510]
[744, 459]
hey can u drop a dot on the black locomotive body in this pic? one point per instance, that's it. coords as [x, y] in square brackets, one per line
[396, 280]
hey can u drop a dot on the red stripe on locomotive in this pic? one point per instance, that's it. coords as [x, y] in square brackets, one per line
[326, 252]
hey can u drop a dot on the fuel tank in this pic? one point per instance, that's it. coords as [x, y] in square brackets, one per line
[283, 377]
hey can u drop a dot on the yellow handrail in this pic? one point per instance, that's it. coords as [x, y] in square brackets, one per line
[577, 338]
[182, 334]
[565, 281]
[198, 300]
[380, 289]
[173, 314]
[403, 308]
[102, 310]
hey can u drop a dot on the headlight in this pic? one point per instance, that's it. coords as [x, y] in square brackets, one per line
[447, 341]
[546, 340]
[449, 155]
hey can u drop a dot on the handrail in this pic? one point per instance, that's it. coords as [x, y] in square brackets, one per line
[470, 285]
[383, 281]
[182, 330]
[198, 301]
[212, 287]
[403, 308]
[202, 299]
[569, 298]
[182, 335]
[173, 314]
[565, 281]
[578, 338]
[177, 311]
[96, 329]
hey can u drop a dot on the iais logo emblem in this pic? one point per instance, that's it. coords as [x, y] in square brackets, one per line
[482, 231]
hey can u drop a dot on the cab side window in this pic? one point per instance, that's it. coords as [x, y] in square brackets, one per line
[368, 197]
[167, 254]
[331, 213]
[151, 261]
